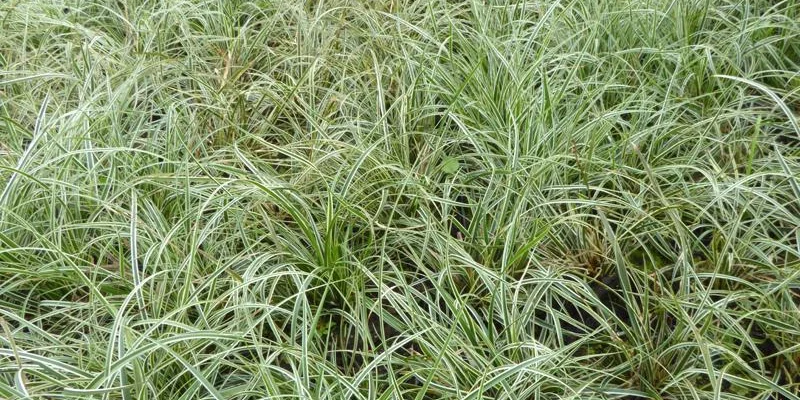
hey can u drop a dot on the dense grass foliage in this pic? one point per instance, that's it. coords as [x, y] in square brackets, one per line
[400, 199]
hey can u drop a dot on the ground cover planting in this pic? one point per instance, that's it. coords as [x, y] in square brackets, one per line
[397, 199]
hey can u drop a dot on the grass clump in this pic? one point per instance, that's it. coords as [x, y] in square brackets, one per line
[400, 199]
